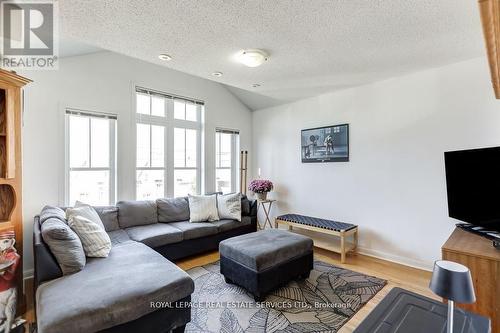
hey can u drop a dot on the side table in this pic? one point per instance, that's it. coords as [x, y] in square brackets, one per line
[267, 211]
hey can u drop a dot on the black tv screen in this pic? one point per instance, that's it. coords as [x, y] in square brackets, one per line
[473, 186]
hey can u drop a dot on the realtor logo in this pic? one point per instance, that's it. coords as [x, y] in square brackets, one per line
[29, 34]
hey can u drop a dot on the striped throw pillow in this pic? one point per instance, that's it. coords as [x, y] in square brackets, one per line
[95, 241]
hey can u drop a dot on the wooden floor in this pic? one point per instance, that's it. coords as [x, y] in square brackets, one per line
[396, 275]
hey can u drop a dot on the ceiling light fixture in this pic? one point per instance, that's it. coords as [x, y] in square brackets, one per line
[217, 74]
[164, 57]
[253, 57]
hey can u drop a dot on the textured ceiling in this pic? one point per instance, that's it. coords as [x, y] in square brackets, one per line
[315, 45]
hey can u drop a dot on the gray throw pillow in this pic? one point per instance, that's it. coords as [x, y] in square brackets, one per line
[135, 213]
[173, 209]
[52, 212]
[64, 244]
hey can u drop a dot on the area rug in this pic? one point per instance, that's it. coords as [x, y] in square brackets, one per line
[322, 303]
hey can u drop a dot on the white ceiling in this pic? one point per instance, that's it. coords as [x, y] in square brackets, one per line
[316, 46]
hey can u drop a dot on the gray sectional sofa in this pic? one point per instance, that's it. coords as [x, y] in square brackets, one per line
[115, 294]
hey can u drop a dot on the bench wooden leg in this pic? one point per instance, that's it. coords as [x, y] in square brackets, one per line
[355, 235]
[342, 247]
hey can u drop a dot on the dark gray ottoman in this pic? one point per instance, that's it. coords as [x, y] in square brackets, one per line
[264, 260]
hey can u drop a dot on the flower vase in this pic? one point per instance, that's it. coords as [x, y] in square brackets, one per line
[262, 196]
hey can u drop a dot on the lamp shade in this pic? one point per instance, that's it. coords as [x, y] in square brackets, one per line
[452, 281]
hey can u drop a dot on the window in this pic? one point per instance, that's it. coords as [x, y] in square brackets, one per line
[226, 162]
[168, 137]
[90, 157]
[185, 161]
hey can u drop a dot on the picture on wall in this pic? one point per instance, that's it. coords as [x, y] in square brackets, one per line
[325, 144]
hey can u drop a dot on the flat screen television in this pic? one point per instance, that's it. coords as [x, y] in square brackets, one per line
[325, 144]
[473, 186]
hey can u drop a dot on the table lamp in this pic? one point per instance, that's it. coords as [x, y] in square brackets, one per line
[453, 282]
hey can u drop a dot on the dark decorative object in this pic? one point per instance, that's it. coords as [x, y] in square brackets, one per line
[452, 281]
[325, 144]
[322, 303]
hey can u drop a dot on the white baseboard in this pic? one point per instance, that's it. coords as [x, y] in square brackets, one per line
[411, 262]
[415, 263]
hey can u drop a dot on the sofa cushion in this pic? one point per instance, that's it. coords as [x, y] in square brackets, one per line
[134, 213]
[109, 217]
[266, 248]
[64, 244]
[173, 209]
[110, 291]
[225, 225]
[195, 230]
[245, 205]
[155, 235]
[118, 236]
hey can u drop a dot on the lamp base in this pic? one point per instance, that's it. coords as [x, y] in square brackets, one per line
[449, 323]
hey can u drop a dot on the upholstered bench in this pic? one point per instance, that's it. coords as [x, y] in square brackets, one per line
[264, 260]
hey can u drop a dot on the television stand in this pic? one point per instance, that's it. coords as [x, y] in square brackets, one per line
[483, 261]
[492, 235]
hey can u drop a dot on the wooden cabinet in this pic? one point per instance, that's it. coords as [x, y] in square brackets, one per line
[483, 260]
[10, 162]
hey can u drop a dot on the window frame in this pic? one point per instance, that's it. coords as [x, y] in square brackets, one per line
[68, 112]
[235, 167]
[169, 122]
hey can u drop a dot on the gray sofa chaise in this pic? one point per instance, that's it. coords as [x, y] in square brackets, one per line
[115, 294]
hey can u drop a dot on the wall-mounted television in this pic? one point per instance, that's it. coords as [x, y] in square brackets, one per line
[325, 144]
[473, 186]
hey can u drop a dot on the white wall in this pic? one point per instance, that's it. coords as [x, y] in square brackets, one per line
[105, 82]
[394, 185]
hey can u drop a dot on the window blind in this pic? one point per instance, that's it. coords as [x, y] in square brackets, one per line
[227, 131]
[168, 96]
[86, 113]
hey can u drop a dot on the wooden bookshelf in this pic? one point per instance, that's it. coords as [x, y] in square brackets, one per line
[11, 219]
[3, 133]
[490, 19]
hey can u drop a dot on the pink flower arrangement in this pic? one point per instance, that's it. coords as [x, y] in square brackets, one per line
[260, 186]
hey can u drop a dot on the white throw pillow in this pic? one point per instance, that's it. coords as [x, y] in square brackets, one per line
[229, 206]
[86, 211]
[203, 208]
[95, 241]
